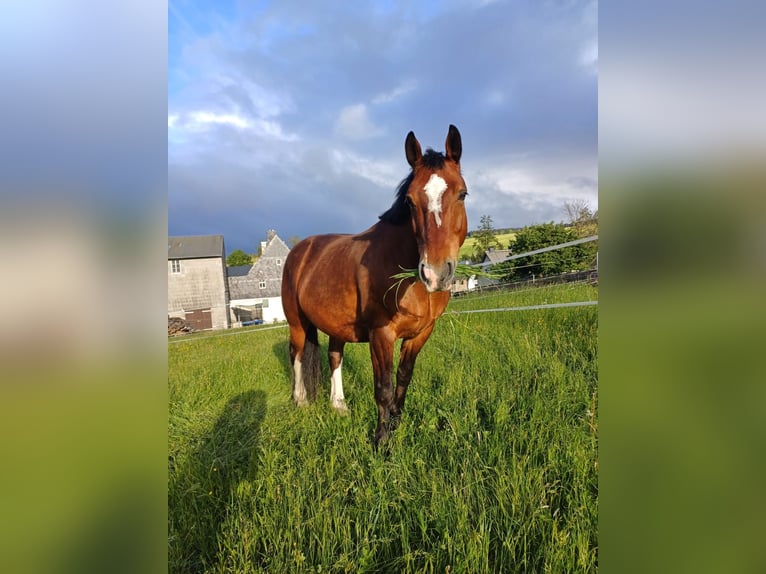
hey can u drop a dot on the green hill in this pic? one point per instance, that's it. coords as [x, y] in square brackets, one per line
[470, 243]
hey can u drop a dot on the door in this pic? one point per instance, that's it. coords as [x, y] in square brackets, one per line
[200, 319]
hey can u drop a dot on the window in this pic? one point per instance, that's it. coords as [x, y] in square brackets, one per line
[175, 265]
[262, 285]
[279, 261]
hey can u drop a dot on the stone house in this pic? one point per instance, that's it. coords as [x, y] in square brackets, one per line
[197, 287]
[493, 255]
[256, 290]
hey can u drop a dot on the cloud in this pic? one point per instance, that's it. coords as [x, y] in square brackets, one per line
[381, 173]
[354, 123]
[201, 120]
[395, 94]
[529, 189]
[589, 56]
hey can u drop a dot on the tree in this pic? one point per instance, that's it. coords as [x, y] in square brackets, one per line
[581, 218]
[584, 223]
[293, 240]
[484, 238]
[576, 257]
[238, 257]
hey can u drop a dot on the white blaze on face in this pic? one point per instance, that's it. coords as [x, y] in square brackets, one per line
[434, 189]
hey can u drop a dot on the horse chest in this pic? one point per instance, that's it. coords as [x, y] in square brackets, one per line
[410, 329]
[408, 324]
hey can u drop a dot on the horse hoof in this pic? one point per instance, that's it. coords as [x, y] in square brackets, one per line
[381, 437]
[301, 403]
[340, 408]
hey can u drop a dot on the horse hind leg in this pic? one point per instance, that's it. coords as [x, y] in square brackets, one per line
[297, 344]
[307, 368]
[335, 354]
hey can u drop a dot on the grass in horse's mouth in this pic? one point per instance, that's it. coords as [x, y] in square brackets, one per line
[462, 271]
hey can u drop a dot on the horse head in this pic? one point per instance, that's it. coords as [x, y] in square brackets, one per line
[435, 198]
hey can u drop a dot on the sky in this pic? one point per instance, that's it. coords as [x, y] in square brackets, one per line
[285, 115]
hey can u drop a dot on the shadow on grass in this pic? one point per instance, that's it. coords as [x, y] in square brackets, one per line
[200, 491]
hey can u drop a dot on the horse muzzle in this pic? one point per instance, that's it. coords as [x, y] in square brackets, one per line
[437, 277]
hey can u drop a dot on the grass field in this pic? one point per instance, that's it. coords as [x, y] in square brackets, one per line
[492, 469]
[470, 244]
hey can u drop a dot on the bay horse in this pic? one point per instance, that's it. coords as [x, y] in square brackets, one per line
[343, 285]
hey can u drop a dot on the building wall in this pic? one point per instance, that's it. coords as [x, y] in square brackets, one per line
[273, 311]
[464, 284]
[272, 308]
[200, 284]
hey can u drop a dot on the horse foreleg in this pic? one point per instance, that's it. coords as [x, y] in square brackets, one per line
[335, 354]
[382, 352]
[407, 357]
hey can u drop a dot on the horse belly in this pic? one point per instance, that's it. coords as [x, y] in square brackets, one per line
[337, 321]
[332, 307]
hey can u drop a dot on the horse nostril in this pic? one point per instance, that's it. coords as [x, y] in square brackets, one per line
[450, 270]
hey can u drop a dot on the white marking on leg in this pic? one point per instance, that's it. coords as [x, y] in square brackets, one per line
[336, 390]
[434, 189]
[299, 390]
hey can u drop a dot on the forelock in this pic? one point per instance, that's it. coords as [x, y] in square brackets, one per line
[433, 159]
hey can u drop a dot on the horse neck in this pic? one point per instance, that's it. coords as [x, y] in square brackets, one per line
[397, 243]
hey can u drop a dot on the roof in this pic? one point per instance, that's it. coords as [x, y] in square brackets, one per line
[267, 271]
[238, 270]
[195, 246]
[275, 247]
[496, 255]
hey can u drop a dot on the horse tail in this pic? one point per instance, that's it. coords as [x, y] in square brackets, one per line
[311, 362]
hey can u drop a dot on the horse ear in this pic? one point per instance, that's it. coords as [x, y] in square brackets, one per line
[412, 149]
[454, 144]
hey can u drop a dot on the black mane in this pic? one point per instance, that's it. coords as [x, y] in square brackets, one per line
[399, 212]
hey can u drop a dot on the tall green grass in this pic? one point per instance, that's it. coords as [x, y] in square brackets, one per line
[492, 469]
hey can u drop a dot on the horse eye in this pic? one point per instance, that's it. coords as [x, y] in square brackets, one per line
[461, 195]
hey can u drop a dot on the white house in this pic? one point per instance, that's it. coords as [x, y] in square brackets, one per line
[256, 291]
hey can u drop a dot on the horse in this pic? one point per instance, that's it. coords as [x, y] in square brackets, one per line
[344, 285]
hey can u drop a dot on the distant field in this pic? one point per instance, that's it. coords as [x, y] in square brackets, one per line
[492, 469]
[470, 243]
